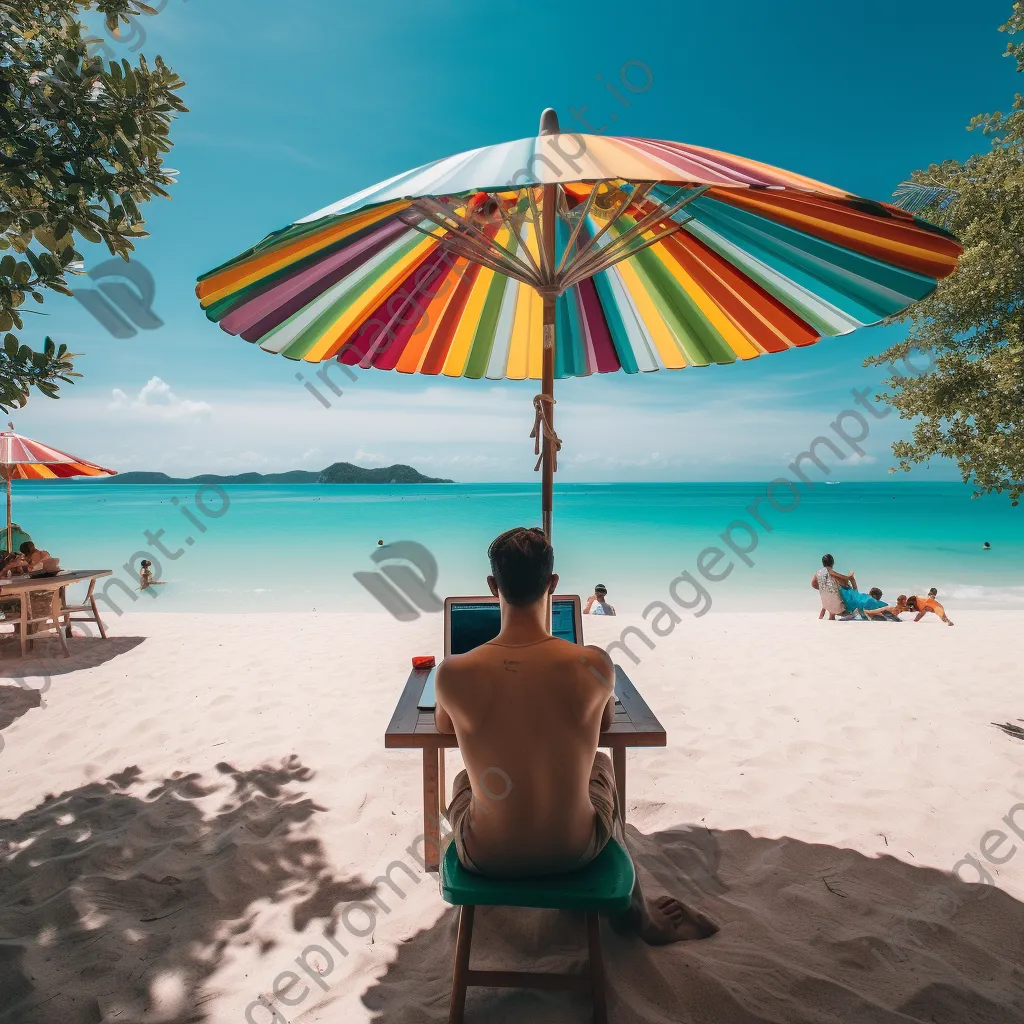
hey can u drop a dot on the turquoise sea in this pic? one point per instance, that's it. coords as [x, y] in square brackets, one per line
[296, 547]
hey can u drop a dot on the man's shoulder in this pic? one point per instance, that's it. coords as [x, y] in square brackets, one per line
[596, 662]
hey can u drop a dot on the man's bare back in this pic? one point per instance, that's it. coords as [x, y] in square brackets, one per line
[528, 710]
[528, 716]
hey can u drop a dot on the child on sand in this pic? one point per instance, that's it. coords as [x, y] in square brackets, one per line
[923, 605]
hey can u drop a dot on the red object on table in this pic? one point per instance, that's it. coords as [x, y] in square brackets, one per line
[425, 661]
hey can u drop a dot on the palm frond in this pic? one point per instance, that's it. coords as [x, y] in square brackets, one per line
[914, 197]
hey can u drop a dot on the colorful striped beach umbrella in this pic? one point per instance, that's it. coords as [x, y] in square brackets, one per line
[566, 255]
[21, 458]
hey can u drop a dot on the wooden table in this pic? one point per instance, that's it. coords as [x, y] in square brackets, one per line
[635, 725]
[22, 586]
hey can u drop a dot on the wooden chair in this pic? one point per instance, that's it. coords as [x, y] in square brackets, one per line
[40, 621]
[91, 612]
[602, 887]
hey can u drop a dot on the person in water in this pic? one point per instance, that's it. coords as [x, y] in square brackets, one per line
[596, 603]
[146, 576]
[537, 798]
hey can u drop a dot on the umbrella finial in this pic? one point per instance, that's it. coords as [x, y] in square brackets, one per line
[549, 123]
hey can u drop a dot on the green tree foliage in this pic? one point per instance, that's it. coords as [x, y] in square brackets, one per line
[971, 400]
[81, 149]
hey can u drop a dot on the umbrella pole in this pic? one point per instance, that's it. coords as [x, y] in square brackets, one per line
[8, 512]
[547, 475]
[549, 125]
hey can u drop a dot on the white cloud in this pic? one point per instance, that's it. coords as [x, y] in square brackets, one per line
[157, 401]
[365, 456]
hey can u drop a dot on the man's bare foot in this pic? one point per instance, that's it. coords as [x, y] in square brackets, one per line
[664, 920]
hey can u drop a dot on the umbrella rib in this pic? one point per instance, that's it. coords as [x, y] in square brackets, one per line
[484, 260]
[470, 250]
[589, 202]
[473, 236]
[521, 240]
[535, 210]
[474, 251]
[630, 197]
[592, 270]
[617, 247]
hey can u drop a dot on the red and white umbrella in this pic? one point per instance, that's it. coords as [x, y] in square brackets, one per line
[21, 458]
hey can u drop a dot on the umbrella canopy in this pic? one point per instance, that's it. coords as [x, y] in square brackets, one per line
[636, 254]
[765, 261]
[21, 458]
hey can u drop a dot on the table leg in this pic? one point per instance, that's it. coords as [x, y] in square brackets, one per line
[431, 819]
[619, 764]
[67, 617]
[442, 785]
[23, 600]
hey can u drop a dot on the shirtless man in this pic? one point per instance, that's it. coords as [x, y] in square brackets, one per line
[528, 709]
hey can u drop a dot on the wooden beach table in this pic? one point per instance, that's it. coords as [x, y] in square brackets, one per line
[22, 586]
[635, 725]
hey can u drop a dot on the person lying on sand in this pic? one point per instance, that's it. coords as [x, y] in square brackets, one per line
[891, 611]
[527, 707]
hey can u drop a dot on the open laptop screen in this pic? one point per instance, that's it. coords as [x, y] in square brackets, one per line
[563, 621]
[473, 623]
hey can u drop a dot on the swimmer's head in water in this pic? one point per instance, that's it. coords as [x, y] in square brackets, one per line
[828, 561]
[986, 545]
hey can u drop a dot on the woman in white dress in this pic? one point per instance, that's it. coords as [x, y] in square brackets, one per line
[828, 582]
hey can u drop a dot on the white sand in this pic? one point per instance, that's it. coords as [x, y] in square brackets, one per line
[820, 783]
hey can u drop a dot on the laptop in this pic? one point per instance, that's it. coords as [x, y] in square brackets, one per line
[472, 621]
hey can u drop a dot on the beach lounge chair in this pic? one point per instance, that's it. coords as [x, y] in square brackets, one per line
[602, 887]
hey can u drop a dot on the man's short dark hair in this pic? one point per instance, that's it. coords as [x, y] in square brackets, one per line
[876, 593]
[27, 547]
[600, 589]
[828, 561]
[522, 561]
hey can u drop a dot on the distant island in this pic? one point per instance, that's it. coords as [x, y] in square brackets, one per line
[338, 473]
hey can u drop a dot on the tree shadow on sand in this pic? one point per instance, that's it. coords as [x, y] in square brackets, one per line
[118, 899]
[810, 934]
[15, 701]
[47, 659]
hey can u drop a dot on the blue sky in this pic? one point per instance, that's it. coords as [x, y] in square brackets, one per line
[295, 106]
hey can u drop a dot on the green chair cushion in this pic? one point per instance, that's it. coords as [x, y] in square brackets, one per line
[603, 886]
